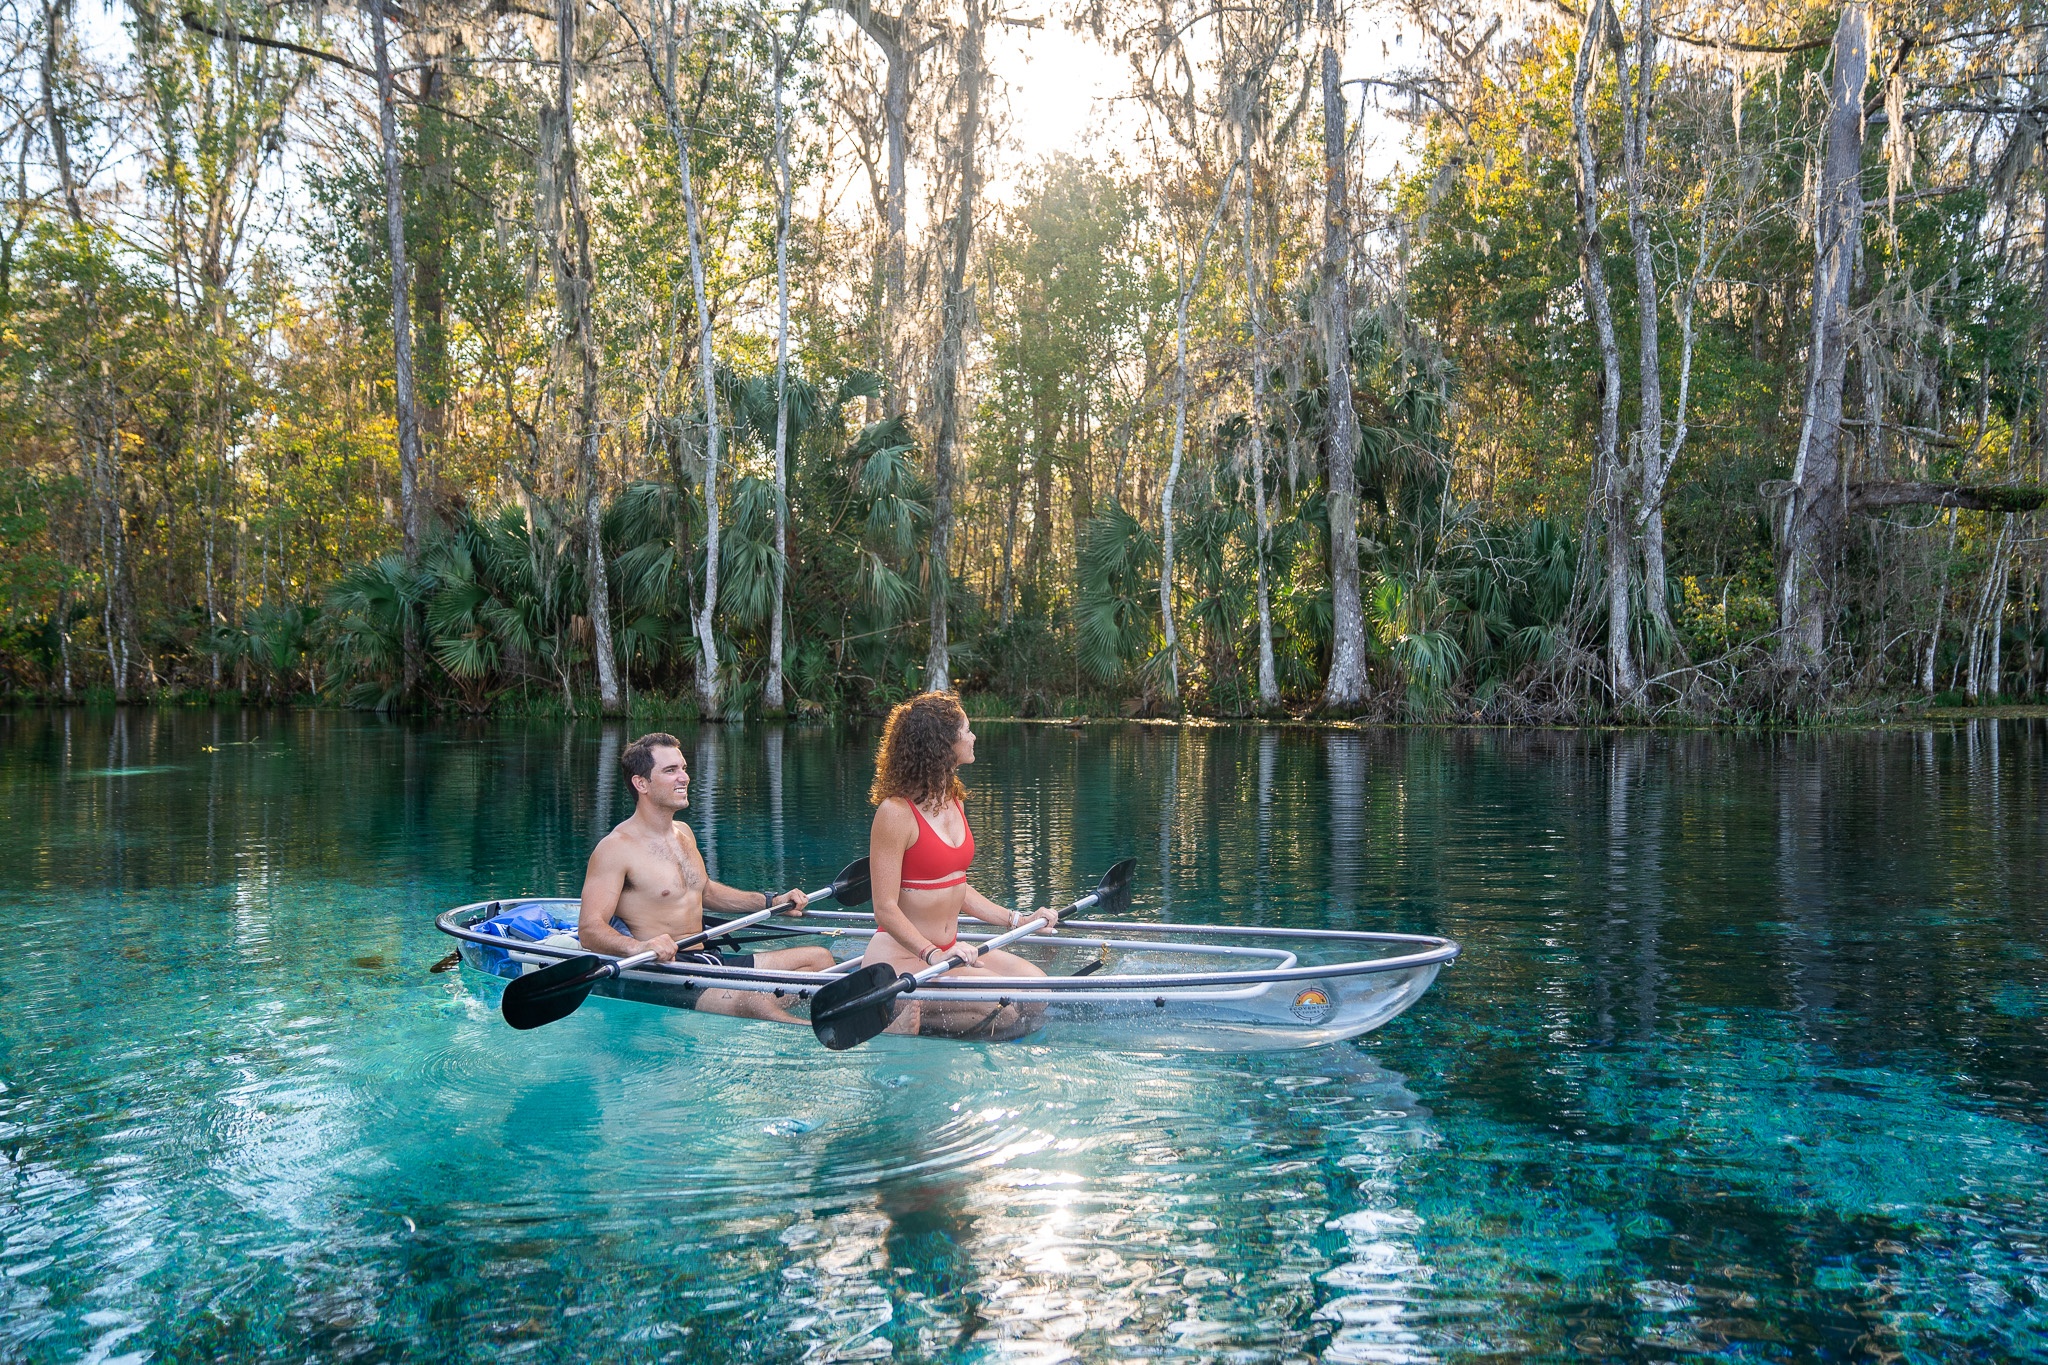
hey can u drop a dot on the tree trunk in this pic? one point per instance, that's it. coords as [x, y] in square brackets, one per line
[1650, 461]
[64, 637]
[1610, 482]
[707, 607]
[662, 70]
[896, 113]
[429, 262]
[98, 427]
[106, 485]
[1010, 546]
[2036, 623]
[1995, 674]
[1345, 688]
[1038, 543]
[401, 328]
[1974, 652]
[892, 34]
[1814, 509]
[1188, 283]
[212, 509]
[60, 144]
[772, 694]
[1940, 606]
[581, 282]
[1987, 621]
[945, 384]
[1180, 427]
[1269, 686]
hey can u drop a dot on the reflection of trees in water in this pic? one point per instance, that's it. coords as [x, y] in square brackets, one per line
[604, 811]
[1269, 759]
[778, 860]
[1867, 883]
[705, 796]
[1878, 885]
[1019, 801]
[1344, 754]
[1626, 959]
[1759, 974]
[1169, 822]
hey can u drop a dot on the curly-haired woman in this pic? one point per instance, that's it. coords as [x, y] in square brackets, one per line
[920, 846]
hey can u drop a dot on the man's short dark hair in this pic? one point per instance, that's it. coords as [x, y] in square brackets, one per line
[638, 760]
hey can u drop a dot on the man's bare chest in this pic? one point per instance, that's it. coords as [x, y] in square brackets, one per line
[665, 871]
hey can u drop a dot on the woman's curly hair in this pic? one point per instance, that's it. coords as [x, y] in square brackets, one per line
[915, 761]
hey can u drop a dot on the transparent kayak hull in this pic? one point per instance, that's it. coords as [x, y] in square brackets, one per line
[1158, 987]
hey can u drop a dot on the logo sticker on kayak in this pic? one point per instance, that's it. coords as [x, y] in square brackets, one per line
[1312, 1006]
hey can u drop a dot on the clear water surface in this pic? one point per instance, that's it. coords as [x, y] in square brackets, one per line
[1746, 1057]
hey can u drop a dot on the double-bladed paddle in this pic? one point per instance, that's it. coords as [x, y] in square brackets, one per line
[554, 992]
[862, 1004]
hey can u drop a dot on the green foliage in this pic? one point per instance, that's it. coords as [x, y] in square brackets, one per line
[1117, 612]
[34, 579]
[199, 487]
[747, 553]
[367, 611]
[39, 605]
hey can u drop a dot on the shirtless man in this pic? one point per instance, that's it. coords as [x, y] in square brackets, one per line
[648, 875]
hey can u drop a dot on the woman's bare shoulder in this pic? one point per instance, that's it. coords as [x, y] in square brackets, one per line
[893, 816]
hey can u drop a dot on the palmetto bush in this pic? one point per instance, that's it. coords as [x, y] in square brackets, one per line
[492, 604]
[882, 518]
[364, 629]
[1116, 614]
[497, 601]
[655, 560]
[746, 592]
[502, 598]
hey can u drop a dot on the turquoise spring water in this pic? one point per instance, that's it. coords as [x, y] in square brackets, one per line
[1748, 1056]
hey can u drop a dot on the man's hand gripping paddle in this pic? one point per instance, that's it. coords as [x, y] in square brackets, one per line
[862, 1004]
[554, 992]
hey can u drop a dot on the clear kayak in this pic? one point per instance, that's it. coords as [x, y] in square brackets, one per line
[1140, 987]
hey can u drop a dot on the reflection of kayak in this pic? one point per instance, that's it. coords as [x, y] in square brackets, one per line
[1167, 987]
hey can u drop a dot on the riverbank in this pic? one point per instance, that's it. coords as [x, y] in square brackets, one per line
[2016, 711]
[986, 709]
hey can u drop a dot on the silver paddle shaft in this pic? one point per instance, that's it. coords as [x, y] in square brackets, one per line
[696, 940]
[1024, 930]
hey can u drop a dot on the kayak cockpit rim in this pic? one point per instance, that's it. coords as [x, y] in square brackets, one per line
[1432, 951]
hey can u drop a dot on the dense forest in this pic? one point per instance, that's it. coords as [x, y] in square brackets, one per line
[1689, 361]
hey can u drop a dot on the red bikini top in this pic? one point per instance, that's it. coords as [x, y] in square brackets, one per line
[931, 864]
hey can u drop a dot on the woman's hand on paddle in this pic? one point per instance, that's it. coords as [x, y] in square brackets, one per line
[965, 951]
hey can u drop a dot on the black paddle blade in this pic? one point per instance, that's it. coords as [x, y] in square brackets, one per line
[856, 1007]
[850, 887]
[551, 993]
[1113, 892]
